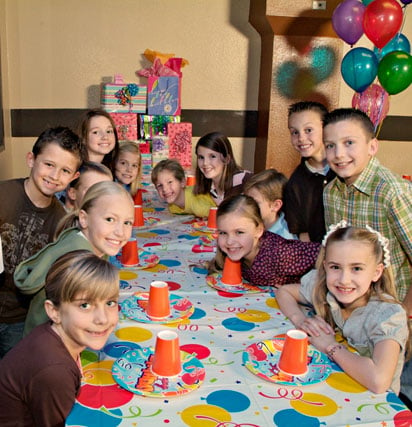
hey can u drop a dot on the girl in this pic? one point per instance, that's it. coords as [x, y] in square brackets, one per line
[127, 167]
[99, 135]
[267, 258]
[40, 376]
[169, 179]
[217, 172]
[353, 292]
[102, 225]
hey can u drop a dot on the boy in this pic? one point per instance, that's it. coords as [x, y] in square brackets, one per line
[29, 214]
[169, 180]
[303, 203]
[267, 188]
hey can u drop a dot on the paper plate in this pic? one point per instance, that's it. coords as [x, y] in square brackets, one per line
[148, 222]
[208, 240]
[214, 281]
[146, 260]
[261, 358]
[133, 372]
[135, 306]
[202, 226]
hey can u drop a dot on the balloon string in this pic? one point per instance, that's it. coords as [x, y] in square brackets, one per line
[404, 18]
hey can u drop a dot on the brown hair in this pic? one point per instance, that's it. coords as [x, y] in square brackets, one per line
[270, 183]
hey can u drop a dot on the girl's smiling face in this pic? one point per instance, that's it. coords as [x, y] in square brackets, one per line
[238, 237]
[211, 163]
[100, 138]
[351, 267]
[108, 224]
[126, 168]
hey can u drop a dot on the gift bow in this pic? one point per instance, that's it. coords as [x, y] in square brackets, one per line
[159, 70]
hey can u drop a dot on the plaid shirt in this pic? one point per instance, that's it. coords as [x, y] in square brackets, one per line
[382, 200]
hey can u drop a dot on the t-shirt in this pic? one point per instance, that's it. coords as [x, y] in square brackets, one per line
[280, 261]
[24, 230]
[39, 381]
[198, 205]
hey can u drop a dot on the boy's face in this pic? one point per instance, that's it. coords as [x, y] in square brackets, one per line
[52, 170]
[348, 149]
[169, 187]
[306, 134]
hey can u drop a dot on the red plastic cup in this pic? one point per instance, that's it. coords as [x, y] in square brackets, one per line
[190, 180]
[232, 272]
[130, 254]
[158, 306]
[138, 198]
[166, 361]
[138, 216]
[294, 357]
[211, 220]
[407, 177]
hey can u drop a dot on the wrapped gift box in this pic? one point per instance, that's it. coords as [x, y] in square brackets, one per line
[144, 147]
[163, 95]
[157, 156]
[180, 143]
[120, 97]
[150, 126]
[160, 143]
[126, 125]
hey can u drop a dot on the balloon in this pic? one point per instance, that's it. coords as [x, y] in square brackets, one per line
[399, 42]
[347, 20]
[382, 20]
[406, 1]
[395, 72]
[374, 101]
[359, 68]
[366, 2]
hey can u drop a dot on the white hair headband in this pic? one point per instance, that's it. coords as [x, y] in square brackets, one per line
[384, 242]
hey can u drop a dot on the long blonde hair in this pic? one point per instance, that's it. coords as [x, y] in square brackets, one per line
[133, 148]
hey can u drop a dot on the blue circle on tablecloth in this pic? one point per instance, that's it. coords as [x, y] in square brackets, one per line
[83, 416]
[290, 417]
[232, 401]
[159, 231]
[170, 262]
[198, 314]
[187, 237]
[235, 324]
[124, 284]
[116, 349]
[200, 270]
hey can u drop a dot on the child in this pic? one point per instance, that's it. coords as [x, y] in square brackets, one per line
[90, 173]
[217, 172]
[267, 258]
[102, 225]
[99, 135]
[127, 167]
[267, 189]
[29, 213]
[40, 377]
[366, 192]
[303, 202]
[169, 180]
[355, 293]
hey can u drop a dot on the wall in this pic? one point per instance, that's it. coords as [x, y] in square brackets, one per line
[55, 54]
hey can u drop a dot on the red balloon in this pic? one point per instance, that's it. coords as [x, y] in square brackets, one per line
[381, 21]
[374, 101]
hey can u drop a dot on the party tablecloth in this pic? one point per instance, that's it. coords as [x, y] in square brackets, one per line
[223, 393]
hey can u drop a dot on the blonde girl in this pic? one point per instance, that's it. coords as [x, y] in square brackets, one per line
[354, 293]
[102, 225]
[127, 167]
[40, 377]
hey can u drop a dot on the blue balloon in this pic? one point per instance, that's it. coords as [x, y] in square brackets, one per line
[359, 68]
[399, 42]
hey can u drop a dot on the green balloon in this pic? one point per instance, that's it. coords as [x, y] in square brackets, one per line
[395, 71]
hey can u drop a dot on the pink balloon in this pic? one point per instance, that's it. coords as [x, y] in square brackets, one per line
[382, 20]
[347, 20]
[374, 101]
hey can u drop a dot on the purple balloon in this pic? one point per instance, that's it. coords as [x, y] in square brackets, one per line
[347, 20]
[406, 1]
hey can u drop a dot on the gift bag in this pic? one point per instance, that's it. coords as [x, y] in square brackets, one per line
[120, 97]
[126, 125]
[163, 96]
[180, 143]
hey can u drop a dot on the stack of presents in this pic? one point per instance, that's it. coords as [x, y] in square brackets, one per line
[149, 114]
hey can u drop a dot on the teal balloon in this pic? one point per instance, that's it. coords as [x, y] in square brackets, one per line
[395, 72]
[359, 68]
[366, 2]
[323, 61]
[399, 42]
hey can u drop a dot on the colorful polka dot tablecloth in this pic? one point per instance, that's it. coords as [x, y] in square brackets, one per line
[229, 378]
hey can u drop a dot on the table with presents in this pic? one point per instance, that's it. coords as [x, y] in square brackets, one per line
[230, 341]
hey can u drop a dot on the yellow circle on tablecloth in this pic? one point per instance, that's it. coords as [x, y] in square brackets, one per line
[127, 275]
[214, 415]
[254, 316]
[99, 373]
[271, 302]
[343, 382]
[315, 405]
[134, 334]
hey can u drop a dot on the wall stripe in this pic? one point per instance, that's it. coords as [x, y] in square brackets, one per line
[233, 123]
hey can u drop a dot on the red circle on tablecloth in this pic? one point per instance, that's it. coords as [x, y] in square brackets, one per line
[110, 396]
[173, 286]
[200, 350]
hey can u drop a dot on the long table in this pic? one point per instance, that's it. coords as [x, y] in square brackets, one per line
[221, 328]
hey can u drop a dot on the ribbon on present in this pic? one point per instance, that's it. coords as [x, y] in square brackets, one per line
[125, 94]
[158, 70]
